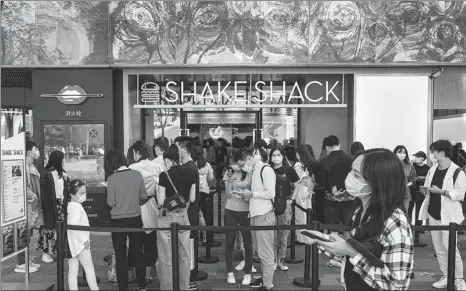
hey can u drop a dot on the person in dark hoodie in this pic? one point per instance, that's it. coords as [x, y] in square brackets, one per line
[54, 201]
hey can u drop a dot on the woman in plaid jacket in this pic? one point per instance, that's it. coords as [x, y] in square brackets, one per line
[379, 224]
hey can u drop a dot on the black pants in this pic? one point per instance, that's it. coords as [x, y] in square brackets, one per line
[136, 242]
[150, 250]
[235, 218]
[22, 256]
[415, 196]
[336, 212]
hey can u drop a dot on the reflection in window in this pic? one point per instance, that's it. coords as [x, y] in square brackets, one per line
[167, 123]
[84, 149]
[11, 122]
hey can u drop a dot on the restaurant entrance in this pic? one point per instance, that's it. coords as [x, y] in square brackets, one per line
[239, 127]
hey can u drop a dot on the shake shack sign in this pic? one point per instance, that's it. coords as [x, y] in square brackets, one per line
[310, 89]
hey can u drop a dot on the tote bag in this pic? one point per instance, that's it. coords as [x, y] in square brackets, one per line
[149, 214]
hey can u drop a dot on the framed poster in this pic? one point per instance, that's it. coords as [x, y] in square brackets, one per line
[13, 191]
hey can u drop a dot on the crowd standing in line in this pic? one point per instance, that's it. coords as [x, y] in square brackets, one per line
[373, 192]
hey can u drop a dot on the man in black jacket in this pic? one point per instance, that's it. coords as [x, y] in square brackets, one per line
[331, 175]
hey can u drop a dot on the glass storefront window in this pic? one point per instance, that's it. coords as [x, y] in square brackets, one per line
[84, 149]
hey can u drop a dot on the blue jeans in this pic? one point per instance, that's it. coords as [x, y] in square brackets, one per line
[164, 247]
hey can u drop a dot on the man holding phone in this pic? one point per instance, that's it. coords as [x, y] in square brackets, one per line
[261, 211]
[444, 188]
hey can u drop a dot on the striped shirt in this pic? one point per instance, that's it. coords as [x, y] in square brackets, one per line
[397, 255]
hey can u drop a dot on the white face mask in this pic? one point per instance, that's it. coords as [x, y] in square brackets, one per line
[355, 187]
[82, 198]
[433, 159]
[258, 157]
[278, 160]
[401, 156]
[235, 168]
[247, 168]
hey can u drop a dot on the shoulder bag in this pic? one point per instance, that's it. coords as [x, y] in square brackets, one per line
[175, 201]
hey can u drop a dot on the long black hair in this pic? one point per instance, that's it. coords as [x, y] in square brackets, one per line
[142, 148]
[382, 170]
[198, 156]
[400, 148]
[172, 154]
[306, 158]
[114, 159]
[55, 162]
[357, 148]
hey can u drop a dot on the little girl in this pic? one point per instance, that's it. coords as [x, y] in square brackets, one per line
[79, 241]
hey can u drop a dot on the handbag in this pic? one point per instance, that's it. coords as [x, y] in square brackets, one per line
[175, 201]
[149, 214]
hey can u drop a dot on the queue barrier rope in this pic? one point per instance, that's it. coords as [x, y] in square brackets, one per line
[311, 268]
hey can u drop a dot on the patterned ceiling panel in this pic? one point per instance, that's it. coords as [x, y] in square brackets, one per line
[233, 32]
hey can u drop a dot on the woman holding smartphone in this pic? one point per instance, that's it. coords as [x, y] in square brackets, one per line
[379, 224]
[237, 213]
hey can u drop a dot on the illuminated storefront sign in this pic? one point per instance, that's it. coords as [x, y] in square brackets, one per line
[219, 118]
[296, 91]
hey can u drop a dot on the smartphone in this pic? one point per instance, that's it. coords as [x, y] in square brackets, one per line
[316, 235]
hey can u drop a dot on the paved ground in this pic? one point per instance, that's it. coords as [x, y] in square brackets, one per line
[426, 267]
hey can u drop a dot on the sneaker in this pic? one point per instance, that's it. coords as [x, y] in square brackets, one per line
[257, 283]
[33, 265]
[246, 280]
[441, 284]
[283, 267]
[460, 284]
[192, 286]
[240, 266]
[46, 258]
[275, 266]
[253, 270]
[22, 269]
[231, 278]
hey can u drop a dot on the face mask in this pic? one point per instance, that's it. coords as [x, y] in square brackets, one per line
[247, 168]
[82, 198]
[236, 168]
[277, 160]
[401, 156]
[355, 187]
[432, 159]
[258, 157]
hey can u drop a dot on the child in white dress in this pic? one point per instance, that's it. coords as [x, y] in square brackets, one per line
[79, 241]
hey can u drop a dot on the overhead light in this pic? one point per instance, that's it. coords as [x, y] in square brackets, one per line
[437, 73]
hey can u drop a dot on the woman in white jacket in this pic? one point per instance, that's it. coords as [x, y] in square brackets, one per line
[79, 241]
[304, 162]
[444, 188]
[149, 211]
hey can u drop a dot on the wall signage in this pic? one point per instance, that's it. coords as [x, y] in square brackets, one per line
[296, 91]
[72, 95]
[219, 118]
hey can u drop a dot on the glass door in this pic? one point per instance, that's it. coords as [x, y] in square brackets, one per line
[238, 129]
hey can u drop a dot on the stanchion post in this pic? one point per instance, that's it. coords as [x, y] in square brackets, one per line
[417, 243]
[60, 255]
[315, 261]
[175, 256]
[292, 259]
[453, 228]
[208, 258]
[219, 203]
[307, 281]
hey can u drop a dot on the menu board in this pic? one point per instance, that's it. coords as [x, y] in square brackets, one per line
[13, 198]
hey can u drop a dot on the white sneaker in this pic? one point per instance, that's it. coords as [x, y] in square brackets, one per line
[253, 270]
[275, 266]
[231, 278]
[22, 269]
[240, 266]
[46, 258]
[246, 280]
[460, 284]
[33, 265]
[441, 284]
[283, 267]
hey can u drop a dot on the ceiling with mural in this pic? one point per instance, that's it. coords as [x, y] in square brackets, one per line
[232, 32]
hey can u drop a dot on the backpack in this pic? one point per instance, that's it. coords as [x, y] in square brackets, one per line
[279, 202]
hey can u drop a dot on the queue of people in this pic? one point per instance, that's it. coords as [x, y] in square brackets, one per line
[370, 191]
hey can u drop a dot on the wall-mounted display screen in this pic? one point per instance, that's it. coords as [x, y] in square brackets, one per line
[84, 149]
